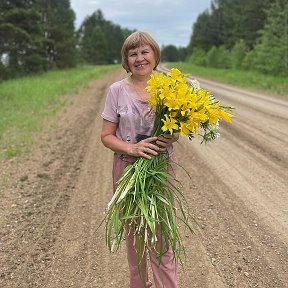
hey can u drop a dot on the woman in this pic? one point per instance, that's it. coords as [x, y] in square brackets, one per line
[127, 126]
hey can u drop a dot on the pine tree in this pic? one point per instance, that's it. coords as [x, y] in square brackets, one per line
[100, 40]
[22, 48]
[242, 19]
[271, 52]
[58, 21]
[229, 21]
[201, 35]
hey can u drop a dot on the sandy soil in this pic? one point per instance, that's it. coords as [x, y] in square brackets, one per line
[53, 200]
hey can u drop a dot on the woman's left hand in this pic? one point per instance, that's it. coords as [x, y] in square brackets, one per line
[166, 141]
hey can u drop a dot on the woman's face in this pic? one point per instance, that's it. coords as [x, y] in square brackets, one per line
[141, 60]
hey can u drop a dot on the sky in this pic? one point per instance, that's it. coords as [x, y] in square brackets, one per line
[168, 21]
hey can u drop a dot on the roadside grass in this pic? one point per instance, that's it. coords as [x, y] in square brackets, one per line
[248, 79]
[28, 104]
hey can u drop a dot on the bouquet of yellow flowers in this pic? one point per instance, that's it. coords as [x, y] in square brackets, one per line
[148, 199]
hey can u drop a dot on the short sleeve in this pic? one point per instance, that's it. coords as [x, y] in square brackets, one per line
[110, 108]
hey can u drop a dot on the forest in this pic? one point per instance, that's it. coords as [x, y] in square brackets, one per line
[37, 36]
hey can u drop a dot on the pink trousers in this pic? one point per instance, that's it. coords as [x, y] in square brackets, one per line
[165, 274]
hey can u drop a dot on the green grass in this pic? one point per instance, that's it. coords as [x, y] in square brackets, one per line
[27, 104]
[248, 79]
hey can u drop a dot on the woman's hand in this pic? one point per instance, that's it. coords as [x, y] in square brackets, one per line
[145, 147]
[166, 141]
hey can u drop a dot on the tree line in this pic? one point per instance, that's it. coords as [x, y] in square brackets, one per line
[242, 34]
[35, 36]
[39, 35]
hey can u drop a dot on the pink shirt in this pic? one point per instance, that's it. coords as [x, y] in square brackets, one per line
[134, 117]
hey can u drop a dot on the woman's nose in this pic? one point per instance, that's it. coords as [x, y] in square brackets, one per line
[139, 57]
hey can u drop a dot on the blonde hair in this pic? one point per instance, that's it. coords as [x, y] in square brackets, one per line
[135, 40]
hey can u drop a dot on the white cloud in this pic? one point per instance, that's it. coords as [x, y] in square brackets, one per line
[169, 22]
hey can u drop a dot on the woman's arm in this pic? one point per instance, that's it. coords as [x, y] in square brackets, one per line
[142, 148]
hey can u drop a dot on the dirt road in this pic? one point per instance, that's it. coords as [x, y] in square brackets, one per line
[53, 200]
